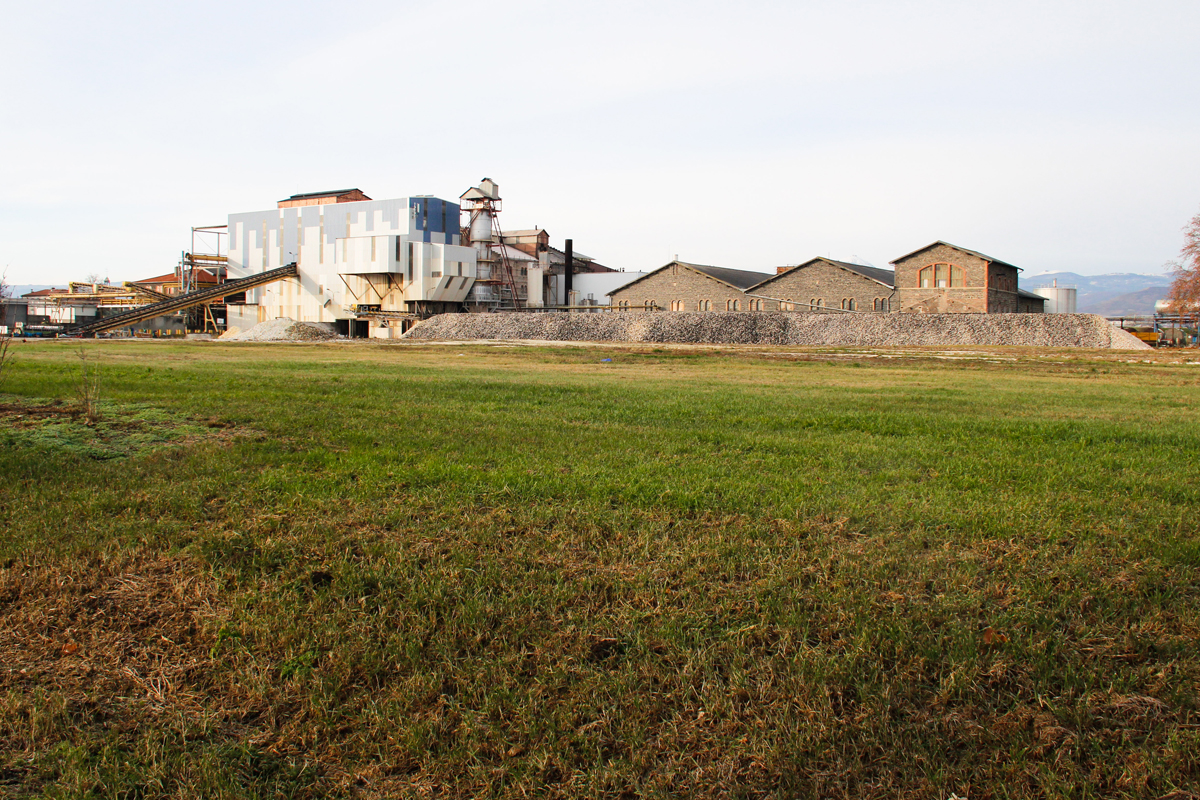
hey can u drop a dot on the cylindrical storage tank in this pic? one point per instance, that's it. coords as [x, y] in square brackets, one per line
[481, 227]
[1059, 299]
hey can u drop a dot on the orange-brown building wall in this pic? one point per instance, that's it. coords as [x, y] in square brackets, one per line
[325, 199]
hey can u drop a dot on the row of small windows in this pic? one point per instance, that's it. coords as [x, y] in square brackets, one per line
[941, 276]
[755, 304]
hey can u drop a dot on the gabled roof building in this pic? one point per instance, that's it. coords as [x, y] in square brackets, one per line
[942, 278]
[682, 286]
[821, 284]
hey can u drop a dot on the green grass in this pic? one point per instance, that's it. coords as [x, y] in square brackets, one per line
[504, 572]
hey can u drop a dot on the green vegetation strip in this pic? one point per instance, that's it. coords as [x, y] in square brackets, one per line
[504, 572]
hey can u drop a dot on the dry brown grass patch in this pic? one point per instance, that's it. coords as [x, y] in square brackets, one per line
[121, 643]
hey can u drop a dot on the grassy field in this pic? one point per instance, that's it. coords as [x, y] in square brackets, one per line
[360, 570]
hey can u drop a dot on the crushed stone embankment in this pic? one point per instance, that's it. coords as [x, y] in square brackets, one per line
[780, 328]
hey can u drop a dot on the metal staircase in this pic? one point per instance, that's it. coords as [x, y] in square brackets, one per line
[199, 297]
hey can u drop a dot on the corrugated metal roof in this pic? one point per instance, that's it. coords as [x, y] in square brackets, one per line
[975, 253]
[513, 254]
[575, 254]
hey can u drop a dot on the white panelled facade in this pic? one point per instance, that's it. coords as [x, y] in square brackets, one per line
[388, 255]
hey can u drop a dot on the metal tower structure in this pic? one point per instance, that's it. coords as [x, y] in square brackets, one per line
[492, 265]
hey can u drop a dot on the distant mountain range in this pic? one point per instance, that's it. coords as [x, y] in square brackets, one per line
[1108, 295]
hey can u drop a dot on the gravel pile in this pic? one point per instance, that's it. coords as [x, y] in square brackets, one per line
[814, 330]
[283, 330]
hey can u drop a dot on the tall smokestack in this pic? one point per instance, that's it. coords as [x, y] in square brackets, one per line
[568, 269]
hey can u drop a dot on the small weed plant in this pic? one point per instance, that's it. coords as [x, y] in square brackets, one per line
[87, 390]
[5, 332]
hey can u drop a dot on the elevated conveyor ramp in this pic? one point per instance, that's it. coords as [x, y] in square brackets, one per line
[199, 297]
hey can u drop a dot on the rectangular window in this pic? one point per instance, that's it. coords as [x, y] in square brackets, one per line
[373, 240]
[941, 276]
[321, 237]
[264, 244]
[412, 254]
[435, 274]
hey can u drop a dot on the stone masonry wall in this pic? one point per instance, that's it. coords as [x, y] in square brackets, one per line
[1002, 290]
[826, 282]
[678, 282]
[973, 298]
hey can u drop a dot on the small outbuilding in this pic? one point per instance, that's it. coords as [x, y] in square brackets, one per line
[680, 286]
[823, 283]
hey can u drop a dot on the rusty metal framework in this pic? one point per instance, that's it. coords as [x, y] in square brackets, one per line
[499, 270]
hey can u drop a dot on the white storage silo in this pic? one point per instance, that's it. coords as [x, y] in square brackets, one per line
[1059, 299]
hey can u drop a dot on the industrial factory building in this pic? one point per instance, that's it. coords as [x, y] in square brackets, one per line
[360, 263]
[372, 267]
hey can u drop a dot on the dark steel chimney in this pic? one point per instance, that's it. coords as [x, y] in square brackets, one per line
[568, 270]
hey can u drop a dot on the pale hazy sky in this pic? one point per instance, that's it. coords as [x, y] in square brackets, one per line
[1057, 135]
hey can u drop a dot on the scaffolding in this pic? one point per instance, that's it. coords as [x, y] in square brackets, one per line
[493, 270]
[201, 317]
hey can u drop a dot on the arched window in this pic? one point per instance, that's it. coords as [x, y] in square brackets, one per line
[755, 304]
[941, 276]
[704, 305]
[623, 305]
[677, 305]
[733, 305]
[787, 305]
[847, 304]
